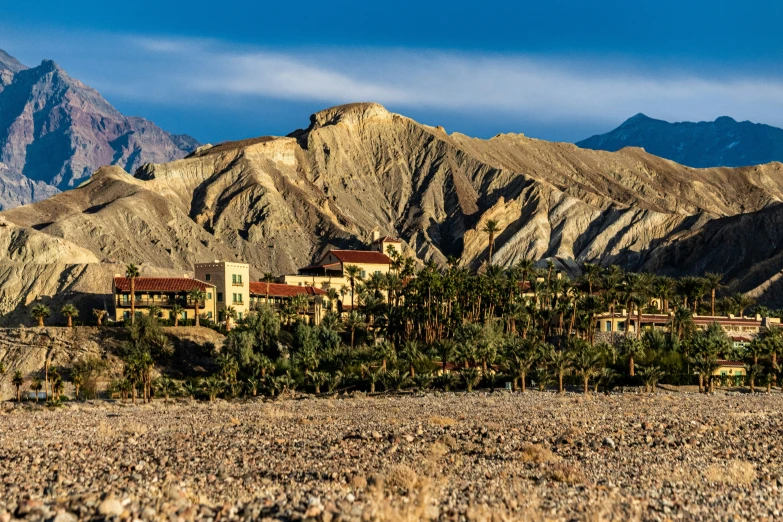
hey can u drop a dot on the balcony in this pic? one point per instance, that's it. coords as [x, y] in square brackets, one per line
[162, 302]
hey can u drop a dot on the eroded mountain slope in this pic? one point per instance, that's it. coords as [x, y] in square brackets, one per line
[279, 203]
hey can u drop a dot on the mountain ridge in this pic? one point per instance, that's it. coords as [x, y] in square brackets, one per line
[704, 144]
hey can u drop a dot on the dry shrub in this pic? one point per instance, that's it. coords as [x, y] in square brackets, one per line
[439, 420]
[733, 472]
[400, 478]
[536, 454]
[448, 441]
[135, 428]
[566, 473]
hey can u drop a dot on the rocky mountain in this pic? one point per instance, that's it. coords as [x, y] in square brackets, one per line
[280, 202]
[55, 132]
[723, 142]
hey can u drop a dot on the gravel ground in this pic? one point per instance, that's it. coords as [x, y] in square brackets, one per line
[537, 456]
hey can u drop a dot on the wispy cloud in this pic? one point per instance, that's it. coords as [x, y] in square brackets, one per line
[539, 87]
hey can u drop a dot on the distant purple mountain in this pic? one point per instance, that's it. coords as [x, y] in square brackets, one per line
[720, 143]
[55, 132]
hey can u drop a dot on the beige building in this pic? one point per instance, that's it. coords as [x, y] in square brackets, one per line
[162, 293]
[232, 286]
[330, 271]
[741, 330]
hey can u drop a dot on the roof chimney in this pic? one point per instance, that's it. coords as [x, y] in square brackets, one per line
[376, 234]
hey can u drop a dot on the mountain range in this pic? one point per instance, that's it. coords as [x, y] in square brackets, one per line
[281, 202]
[723, 142]
[55, 132]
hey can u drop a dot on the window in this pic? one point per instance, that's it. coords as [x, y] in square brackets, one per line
[236, 279]
[608, 326]
[209, 295]
[209, 315]
[220, 297]
[621, 326]
[208, 277]
[126, 315]
[363, 274]
[239, 315]
[377, 272]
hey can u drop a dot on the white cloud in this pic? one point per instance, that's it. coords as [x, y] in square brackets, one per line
[545, 88]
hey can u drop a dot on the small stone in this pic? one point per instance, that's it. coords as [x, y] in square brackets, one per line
[64, 516]
[350, 497]
[111, 507]
[608, 441]
[376, 435]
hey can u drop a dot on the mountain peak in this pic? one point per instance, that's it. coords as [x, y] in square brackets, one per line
[349, 114]
[724, 120]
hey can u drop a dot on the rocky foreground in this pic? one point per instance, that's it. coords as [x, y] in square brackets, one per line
[672, 456]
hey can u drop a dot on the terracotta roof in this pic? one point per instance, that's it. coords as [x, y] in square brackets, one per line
[331, 266]
[732, 364]
[370, 257]
[283, 290]
[386, 239]
[161, 284]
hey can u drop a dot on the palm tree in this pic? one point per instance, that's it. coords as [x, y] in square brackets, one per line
[36, 385]
[69, 311]
[633, 349]
[446, 350]
[561, 363]
[77, 379]
[176, 312]
[471, 376]
[714, 283]
[231, 315]
[352, 272]
[591, 275]
[650, 376]
[586, 362]
[99, 315]
[353, 322]
[741, 302]
[132, 272]
[213, 386]
[40, 312]
[268, 277]
[18, 381]
[491, 228]
[410, 354]
[196, 296]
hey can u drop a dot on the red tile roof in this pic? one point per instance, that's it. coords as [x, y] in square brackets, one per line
[370, 257]
[732, 364]
[386, 239]
[161, 284]
[283, 290]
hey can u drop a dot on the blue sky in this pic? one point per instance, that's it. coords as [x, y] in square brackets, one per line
[559, 69]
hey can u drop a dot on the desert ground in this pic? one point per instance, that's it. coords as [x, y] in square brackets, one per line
[480, 456]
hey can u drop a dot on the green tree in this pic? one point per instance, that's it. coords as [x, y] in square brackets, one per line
[491, 229]
[18, 382]
[633, 349]
[410, 354]
[69, 311]
[99, 314]
[196, 296]
[714, 283]
[560, 362]
[36, 385]
[586, 360]
[176, 313]
[39, 313]
[132, 273]
[650, 376]
[352, 272]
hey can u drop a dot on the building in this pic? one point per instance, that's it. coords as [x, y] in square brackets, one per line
[278, 295]
[163, 293]
[741, 330]
[382, 244]
[330, 271]
[731, 373]
[232, 286]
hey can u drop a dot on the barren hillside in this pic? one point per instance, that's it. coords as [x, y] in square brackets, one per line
[280, 202]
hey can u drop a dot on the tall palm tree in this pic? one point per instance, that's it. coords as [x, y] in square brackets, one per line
[40, 312]
[591, 274]
[231, 315]
[633, 349]
[447, 349]
[714, 283]
[586, 361]
[18, 382]
[741, 302]
[176, 312]
[352, 272]
[69, 311]
[36, 385]
[268, 277]
[561, 362]
[132, 272]
[491, 228]
[353, 322]
[196, 295]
